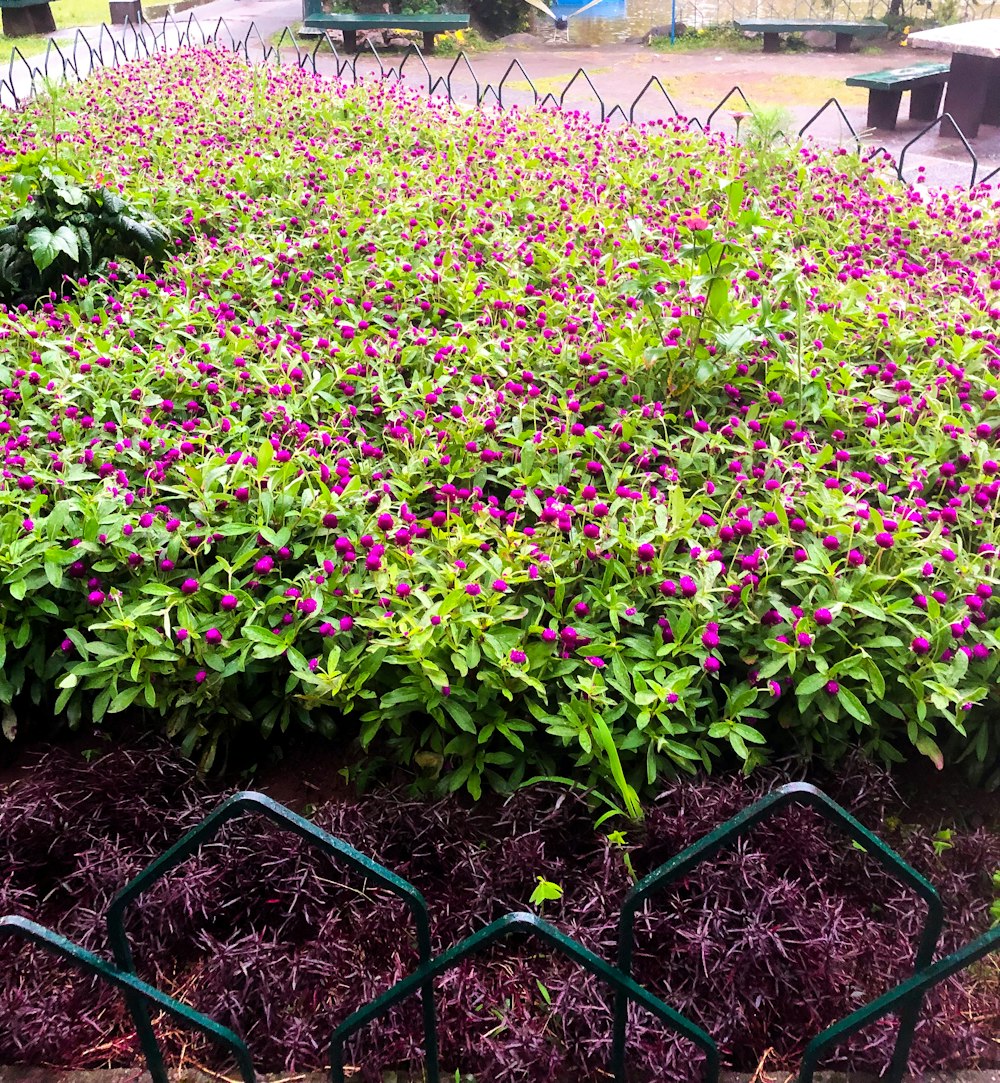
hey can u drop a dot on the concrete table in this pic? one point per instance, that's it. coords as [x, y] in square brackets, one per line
[973, 95]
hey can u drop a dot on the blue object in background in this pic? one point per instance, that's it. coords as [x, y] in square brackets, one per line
[609, 9]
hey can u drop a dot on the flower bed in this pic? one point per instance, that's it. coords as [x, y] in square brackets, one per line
[522, 442]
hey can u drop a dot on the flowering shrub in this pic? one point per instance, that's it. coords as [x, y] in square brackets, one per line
[519, 440]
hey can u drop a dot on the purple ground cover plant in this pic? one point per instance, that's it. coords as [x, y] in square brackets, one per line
[765, 947]
[522, 442]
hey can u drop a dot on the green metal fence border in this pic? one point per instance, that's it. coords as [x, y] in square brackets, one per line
[796, 793]
[904, 1000]
[237, 805]
[906, 996]
[135, 990]
[565, 945]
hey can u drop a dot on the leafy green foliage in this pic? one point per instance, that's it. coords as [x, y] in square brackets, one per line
[486, 442]
[66, 230]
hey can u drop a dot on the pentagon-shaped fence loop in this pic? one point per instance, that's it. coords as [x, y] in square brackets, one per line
[621, 112]
[60, 58]
[626, 989]
[576, 75]
[80, 39]
[369, 46]
[192, 24]
[463, 59]
[118, 55]
[503, 79]
[216, 36]
[651, 82]
[929, 127]
[718, 109]
[237, 805]
[549, 98]
[266, 51]
[796, 793]
[904, 999]
[831, 103]
[135, 990]
[490, 89]
[413, 51]
[287, 33]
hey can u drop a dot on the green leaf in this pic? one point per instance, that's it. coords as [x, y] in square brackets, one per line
[42, 246]
[854, 706]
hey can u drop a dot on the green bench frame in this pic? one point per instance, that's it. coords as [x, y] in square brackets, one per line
[925, 82]
[351, 22]
[846, 32]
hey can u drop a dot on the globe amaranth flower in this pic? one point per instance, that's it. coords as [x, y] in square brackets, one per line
[189, 586]
[472, 589]
[518, 657]
[597, 663]
[213, 636]
[228, 602]
[645, 552]
[823, 617]
[96, 598]
[920, 645]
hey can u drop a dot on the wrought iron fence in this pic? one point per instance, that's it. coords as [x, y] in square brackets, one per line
[905, 1000]
[77, 59]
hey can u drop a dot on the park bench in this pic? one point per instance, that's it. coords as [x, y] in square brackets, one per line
[23, 17]
[350, 23]
[845, 32]
[925, 82]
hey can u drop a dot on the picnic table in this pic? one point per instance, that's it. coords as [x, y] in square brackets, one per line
[845, 32]
[973, 95]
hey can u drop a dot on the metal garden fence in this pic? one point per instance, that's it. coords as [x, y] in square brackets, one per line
[905, 1000]
[78, 59]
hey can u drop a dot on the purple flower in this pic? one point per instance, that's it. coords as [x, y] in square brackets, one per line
[346, 624]
[832, 688]
[189, 586]
[712, 664]
[25, 483]
[499, 585]
[264, 565]
[518, 657]
[823, 616]
[213, 636]
[919, 645]
[472, 589]
[710, 637]
[597, 663]
[403, 589]
[228, 602]
[645, 552]
[884, 540]
[96, 598]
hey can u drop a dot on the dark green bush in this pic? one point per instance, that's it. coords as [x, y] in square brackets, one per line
[498, 17]
[65, 231]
